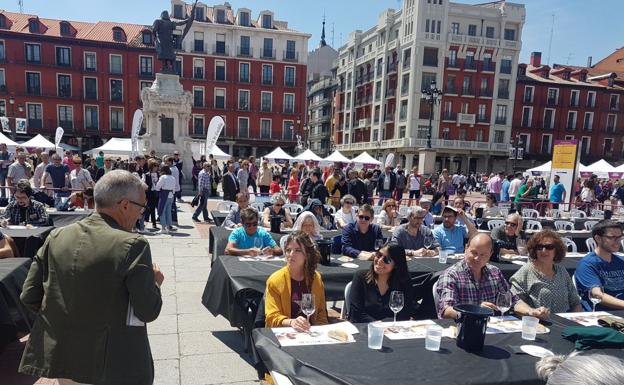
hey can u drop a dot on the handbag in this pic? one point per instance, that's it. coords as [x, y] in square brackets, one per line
[195, 201]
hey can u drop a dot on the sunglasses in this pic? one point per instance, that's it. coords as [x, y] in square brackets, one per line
[348, 202]
[77, 162]
[545, 247]
[364, 217]
[386, 259]
[512, 224]
[279, 204]
[250, 224]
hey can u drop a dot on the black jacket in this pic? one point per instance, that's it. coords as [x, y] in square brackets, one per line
[358, 189]
[230, 187]
[382, 178]
[319, 191]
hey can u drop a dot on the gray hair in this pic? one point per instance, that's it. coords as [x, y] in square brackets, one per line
[56, 156]
[348, 196]
[115, 186]
[518, 218]
[416, 210]
[278, 197]
[581, 369]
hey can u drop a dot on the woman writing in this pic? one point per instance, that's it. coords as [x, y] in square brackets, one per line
[285, 287]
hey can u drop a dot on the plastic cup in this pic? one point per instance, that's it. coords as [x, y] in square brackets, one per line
[375, 335]
[529, 327]
[443, 256]
[433, 338]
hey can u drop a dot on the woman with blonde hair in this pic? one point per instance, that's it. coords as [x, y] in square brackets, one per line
[389, 216]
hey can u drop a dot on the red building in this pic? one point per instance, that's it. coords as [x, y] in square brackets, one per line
[563, 103]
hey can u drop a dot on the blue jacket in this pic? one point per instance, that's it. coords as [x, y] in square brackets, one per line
[353, 241]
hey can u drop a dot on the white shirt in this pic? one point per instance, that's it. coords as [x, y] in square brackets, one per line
[414, 183]
[166, 182]
[514, 186]
[386, 184]
[175, 173]
[350, 217]
[39, 170]
[80, 180]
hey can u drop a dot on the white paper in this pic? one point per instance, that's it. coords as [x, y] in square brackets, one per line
[249, 258]
[587, 318]
[405, 330]
[509, 324]
[317, 335]
[132, 319]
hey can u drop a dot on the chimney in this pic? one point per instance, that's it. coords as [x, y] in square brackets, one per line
[589, 61]
[536, 59]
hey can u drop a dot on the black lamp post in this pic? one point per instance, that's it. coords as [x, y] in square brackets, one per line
[432, 96]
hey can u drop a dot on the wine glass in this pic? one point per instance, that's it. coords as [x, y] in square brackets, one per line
[479, 222]
[503, 301]
[379, 242]
[594, 298]
[258, 243]
[308, 305]
[427, 242]
[396, 303]
[521, 246]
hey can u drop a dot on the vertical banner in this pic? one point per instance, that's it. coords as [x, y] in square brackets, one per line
[57, 139]
[214, 130]
[4, 121]
[20, 125]
[565, 164]
[137, 120]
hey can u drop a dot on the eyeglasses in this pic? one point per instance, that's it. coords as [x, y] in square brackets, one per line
[549, 247]
[364, 217]
[386, 259]
[613, 237]
[142, 206]
[279, 204]
[250, 224]
[512, 224]
[348, 202]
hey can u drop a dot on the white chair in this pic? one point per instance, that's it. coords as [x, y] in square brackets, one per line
[377, 209]
[494, 223]
[530, 213]
[283, 243]
[280, 379]
[597, 213]
[294, 208]
[577, 213]
[533, 225]
[435, 295]
[591, 244]
[590, 225]
[331, 209]
[345, 307]
[622, 243]
[403, 211]
[259, 206]
[226, 206]
[504, 211]
[555, 213]
[570, 245]
[564, 225]
[574, 281]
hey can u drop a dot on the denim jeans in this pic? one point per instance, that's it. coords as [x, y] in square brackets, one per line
[201, 208]
[3, 176]
[383, 195]
[165, 218]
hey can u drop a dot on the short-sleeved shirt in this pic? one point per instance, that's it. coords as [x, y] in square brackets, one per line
[593, 271]
[244, 241]
[451, 239]
[99, 161]
[556, 192]
[557, 293]
[57, 174]
[351, 217]
[504, 194]
[19, 171]
[409, 242]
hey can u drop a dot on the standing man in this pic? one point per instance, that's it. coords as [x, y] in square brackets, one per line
[443, 184]
[99, 160]
[108, 167]
[514, 186]
[203, 187]
[175, 173]
[6, 158]
[230, 184]
[386, 185]
[357, 188]
[178, 163]
[496, 184]
[253, 174]
[18, 170]
[265, 178]
[59, 174]
[557, 193]
[93, 286]
[414, 186]
[504, 194]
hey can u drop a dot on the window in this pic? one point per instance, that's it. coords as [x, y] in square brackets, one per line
[553, 96]
[116, 90]
[34, 115]
[177, 67]
[549, 115]
[220, 48]
[2, 84]
[291, 52]
[2, 51]
[118, 34]
[503, 88]
[91, 118]
[220, 16]
[243, 19]
[177, 11]
[527, 115]
[571, 120]
[505, 66]
[245, 49]
[528, 94]
[243, 127]
[220, 70]
[499, 136]
[450, 85]
[524, 142]
[611, 122]
[510, 34]
[116, 119]
[90, 88]
[63, 56]
[198, 97]
[608, 147]
[243, 100]
[613, 102]
[377, 90]
[3, 23]
[198, 125]
[146, 66]
[501, 114]
[574, 98]
[66, 117]
[467, 86]
[488, 65]
[33, 83]
[430, 57]
[472, 30]
[489, 32]
[33, 26]
[585, 145]
[115, 64]
[199, 13]
[267, 49]
[266, 101]
[267, 74]
[243, 72]
[33, 53]
[287, 130]
[484, 89]
[289, 76]
[90, 61]
[403, 110]
[427, 79]
[198, 42]
[289, 103]
[267, 22]
[147, 38]
[452, 58]
[198, 69]
[588, 121]
[591, 99]
[405, 84]
[545, 149]
[265, 128]
[219, 98]
[144, 84]
[63, 86]
[482, 115]
[455, 28]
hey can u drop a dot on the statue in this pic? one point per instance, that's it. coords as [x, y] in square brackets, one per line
[163, 30]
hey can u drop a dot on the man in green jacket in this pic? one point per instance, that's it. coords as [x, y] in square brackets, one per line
[93, 286]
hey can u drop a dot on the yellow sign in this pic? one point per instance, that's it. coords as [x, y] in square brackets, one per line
[564, 156]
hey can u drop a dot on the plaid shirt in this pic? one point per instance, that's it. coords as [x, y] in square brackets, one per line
[457, 285]
[35, 214]
[203, 180]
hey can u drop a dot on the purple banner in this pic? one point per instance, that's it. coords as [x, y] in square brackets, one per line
[615, 175]
[586, 174]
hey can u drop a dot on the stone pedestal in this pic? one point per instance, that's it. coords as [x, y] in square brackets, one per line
[426, 161]
[166, 113]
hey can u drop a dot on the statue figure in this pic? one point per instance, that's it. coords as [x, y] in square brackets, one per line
[163, 30]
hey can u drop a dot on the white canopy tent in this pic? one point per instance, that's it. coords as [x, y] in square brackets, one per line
[365, 159]
[115, 146]
[601, 168]
[199, 148]
[540, 170]
[4, 139]
[278, 155]
[620, 168]
[308, 155]
[219, 154]
[39, 142]
[335, 156]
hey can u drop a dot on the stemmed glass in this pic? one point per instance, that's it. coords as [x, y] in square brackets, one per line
[308, 305]
[503, 301]
[594, 298]
[479, 222]
[258, 243]
[396, 303]
[427, 242]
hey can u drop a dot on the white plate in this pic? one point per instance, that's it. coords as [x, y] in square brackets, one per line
[17, 227]
[536, 351]
[350, 265]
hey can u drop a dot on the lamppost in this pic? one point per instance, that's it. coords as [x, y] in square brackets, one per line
[432, 96]
[517, 151]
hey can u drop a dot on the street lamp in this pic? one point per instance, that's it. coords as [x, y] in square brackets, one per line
[432, 96]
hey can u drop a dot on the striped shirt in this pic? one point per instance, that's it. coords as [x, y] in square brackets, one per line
[203, 180]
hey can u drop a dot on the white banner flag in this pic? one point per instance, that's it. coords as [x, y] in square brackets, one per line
[137, 120]
[20, 125]
[57, 139]
[214, 130]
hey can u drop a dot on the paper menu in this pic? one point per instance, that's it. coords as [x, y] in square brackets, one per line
[406, 330]
[587, 318]
[249, 258]
[318, 335]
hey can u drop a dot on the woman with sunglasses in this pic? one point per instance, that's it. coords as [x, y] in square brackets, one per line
[285, 287]
[543, 282]
[278, 201]
[389, 216]
[347, 214]
[369, 297]
[505, 237]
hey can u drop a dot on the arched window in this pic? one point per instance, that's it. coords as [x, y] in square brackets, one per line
[66, 29]
[147, 37]
[118, 34]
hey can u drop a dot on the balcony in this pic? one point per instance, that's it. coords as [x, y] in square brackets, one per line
[364, 123]
[466, 119]
[483, 119]
[267, 54]
[363, 101]
[552, 101]
[392, 67]
[450, 91]
[452, 64]
[457, 145]
[571, 126]
[468, 91]
[198, 73]
[406, 64]
[527, 99]
[470, 65]
[34, 91]
[220, 49]
[243, 51]
[485, 93]
[3, 89]
[500, 120]
[291, 56]
[448, 116]
[389, 117]
[267, 81]
[503, 94]
[265, 108]
[66, 124]
[505, 70]
[488, 67]
[199, 46]
[390, 93]
[614, 107]
[146, 74]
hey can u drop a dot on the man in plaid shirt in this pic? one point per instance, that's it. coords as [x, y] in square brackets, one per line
[203, 186]
[23, 210]
[473, 281]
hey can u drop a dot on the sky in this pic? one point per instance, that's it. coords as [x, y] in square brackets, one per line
[582, 28]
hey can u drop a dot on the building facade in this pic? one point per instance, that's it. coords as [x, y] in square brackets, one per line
[565, 103]
[470, 52]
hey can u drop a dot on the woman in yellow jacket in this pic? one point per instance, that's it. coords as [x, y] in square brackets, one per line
[286, 286]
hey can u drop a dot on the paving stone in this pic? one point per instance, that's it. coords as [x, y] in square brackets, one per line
[199, 251]
[192, 274]
[164, 324]
[190, 304]
[223, 368]
[167, 372]
[200, 322]
[164, 346]
[198, 343]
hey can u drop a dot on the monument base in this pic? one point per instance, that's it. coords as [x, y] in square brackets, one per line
[426, 161]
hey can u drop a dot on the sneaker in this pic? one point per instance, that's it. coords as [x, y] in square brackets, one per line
[163, 231]
[196, 219]
[172, 229]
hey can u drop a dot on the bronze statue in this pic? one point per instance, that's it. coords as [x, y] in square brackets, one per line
[163, 30]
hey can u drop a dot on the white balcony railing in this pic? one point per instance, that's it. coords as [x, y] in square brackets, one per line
[438, 144]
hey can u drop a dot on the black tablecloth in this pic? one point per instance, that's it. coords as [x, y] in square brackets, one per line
[13, 272]
[28, 241]
[407, 361]
[64, 218]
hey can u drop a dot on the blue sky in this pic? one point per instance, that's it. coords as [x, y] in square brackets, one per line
[582, 27]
